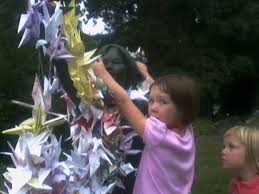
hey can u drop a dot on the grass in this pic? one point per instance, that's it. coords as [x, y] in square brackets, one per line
[210, 177]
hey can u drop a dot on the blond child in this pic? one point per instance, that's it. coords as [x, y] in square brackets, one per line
[241, 153]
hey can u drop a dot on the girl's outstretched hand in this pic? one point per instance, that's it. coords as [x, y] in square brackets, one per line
[98, 67]
[142, 68]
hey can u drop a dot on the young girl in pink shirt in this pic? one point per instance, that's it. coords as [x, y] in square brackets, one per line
[167, 162]
[241, 153]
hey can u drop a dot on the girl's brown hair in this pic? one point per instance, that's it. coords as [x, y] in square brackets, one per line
[184, 92]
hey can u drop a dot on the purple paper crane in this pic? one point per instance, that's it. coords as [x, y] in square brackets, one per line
[57, 50]
[30, 22]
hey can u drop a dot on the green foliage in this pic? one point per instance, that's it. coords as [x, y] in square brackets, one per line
[203, 126]
[215, 41]
[243, 66]
[253, 119]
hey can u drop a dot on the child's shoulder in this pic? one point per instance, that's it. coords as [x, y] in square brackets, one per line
[250, 186]
[153, 122]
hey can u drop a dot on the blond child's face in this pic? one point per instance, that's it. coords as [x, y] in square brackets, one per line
[233, 153]
[162, 107]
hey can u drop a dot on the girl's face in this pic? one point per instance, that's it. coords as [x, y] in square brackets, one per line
[233, 153]
[162, 107]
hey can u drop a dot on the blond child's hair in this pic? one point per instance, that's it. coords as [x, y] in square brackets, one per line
[249, 136]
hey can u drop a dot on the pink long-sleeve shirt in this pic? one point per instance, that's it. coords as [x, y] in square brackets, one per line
[167, 162]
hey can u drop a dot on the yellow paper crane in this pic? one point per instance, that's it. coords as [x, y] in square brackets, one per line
[76, 67]
[36, 124]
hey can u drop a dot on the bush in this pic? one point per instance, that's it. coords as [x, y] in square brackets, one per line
[204, 126]
[254, 119]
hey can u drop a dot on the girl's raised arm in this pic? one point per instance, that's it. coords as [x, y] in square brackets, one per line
[128, 109]
[142, 68]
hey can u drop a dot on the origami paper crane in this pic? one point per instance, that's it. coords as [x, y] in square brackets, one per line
[69, 29]
[19, 178]
[111, 120]
[36, 124]
[31, 151]
[79, 74]
[30, 22]
[49, 89]
[138, 55]
[91, 164]
[38, 121]
[52, 23]
[141, 91]
[57, 50]
[90, 167]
